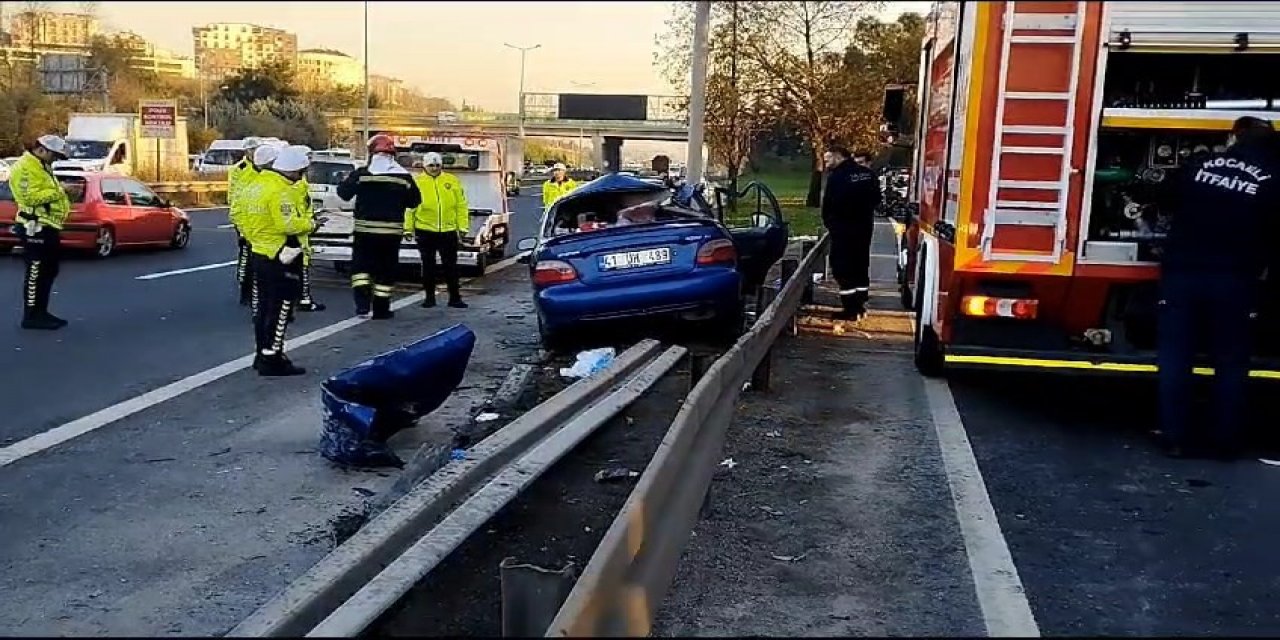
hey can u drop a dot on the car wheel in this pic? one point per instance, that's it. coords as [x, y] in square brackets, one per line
[551, 340]
[497, 253]
[181, 236]
[928, 351]
[482, 262]
[106, 242]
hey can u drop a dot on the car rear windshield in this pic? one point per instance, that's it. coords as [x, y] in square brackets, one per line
[600, 211]
[322, 172]
[223, 157]
[73, 185]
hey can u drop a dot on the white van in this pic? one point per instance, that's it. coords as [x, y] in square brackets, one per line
[323, 177]
[223, 154]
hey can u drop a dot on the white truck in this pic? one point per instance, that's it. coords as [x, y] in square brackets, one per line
[478, 164]
[113, 143]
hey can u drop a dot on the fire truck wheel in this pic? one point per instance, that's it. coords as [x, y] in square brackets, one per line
[928, 352]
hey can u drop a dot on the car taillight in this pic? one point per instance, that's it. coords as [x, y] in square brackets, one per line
[549, 272]
[719, 251]
[988, 307]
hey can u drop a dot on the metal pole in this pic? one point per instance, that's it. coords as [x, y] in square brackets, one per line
[698, 90]
[366, 71]
[204, 98]
[520, 107]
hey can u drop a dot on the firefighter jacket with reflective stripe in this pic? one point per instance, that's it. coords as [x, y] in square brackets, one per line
[382, 201]
[37, 193]
[443, 208]
[275, 217]
[241, 174]
[552, 190]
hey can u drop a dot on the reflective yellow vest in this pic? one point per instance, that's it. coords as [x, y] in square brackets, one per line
[552, 190]
[241, 174]
[37, 193]
[443, 208]
[273, 213]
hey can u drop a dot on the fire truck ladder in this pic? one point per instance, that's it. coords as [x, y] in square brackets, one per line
[1035, 31]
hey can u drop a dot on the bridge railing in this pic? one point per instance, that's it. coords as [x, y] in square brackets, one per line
[510, 119]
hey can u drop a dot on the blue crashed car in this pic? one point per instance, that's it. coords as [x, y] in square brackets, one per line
[591, 267]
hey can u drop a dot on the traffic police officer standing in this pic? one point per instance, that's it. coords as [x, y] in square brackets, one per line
[241, 174]
[559, 185]
[384, 193]
[277, 226]
[43, 207]
[436, 225]
[848, 212]
[1213, 256]
[248, 195]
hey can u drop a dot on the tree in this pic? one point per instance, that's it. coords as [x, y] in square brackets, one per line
[887, 53]
[271, 80]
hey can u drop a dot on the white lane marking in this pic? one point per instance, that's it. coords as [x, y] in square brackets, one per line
[101, 418]
[226, 226]
[888, 256]
[178, 272]
[1005, 609]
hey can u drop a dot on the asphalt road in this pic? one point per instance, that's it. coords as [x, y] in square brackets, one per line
[840, 514]
[183, 516]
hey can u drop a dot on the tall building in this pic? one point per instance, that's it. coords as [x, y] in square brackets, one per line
[51, 29]
[145, 56]
[321, 69]
[224, 48]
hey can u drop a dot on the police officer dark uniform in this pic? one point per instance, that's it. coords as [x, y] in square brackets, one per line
[277, 225]
[849, 203]
[43, 207]
[1212, 259]
[384, 193]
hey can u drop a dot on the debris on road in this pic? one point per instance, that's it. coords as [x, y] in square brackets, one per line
[798, 558]
[770, 510]
[589, 363]
[487, 417]
[614, 474]
[728, 463]
[773, 434]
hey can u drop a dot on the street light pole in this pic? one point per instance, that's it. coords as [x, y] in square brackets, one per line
[523, 51]
[366, 71]
[698, 90]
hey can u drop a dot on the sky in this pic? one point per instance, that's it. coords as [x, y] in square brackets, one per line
[448, 49]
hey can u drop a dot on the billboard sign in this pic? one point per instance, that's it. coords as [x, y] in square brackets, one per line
[159, 118]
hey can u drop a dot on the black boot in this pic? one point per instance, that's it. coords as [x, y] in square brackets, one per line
[457, 303]
[278, 366]
[310, 305]
[429, 299]
[55, 319]
[42, 322]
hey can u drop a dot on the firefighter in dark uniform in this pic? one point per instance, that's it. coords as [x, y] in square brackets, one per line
[1213, 257]
[384, 193]
[43, 207]
[849, 204]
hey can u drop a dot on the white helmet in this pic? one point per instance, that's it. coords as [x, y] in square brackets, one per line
[291, 159]
[559, 166]
[53, 143]
[265, 154]
[432, 158]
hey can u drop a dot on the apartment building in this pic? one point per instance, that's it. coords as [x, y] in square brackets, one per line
[35, 29]
[322, 69]
[388, 91]
[146, 56]
[223, 48]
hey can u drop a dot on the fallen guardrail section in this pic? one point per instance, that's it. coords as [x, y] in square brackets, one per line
[345, 593]
[627, 578]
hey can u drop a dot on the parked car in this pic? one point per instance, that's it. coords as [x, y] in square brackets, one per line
[589, 270]
[323, 177]
[108, 212]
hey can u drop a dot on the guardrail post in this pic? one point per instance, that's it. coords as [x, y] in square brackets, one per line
[698, 363]
[806, 248]
[531, 597]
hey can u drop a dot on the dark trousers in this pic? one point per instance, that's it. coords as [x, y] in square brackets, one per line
[279, 286]
[1214, 306]
[244, 280]
[446, 244]
[42, 254]
[374, 260]
[304, 292]
[850, 260]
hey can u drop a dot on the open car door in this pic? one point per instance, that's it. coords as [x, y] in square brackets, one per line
[758, 229]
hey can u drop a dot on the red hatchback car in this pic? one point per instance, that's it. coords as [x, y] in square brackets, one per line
[108, 212]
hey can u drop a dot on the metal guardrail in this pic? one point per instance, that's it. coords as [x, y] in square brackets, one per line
[199, 186]
[627, 578]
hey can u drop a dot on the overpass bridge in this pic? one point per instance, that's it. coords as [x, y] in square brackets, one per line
[630, 118]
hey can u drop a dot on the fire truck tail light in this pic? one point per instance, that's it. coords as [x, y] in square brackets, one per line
[988, 307]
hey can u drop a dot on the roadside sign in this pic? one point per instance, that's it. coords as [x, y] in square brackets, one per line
[159, 118]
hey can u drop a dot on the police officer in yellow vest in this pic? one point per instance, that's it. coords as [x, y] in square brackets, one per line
[239, 179]
[43, 207]
[437, 225]
[238, 176]
[302, 191]
[277, 226]
[559, 184]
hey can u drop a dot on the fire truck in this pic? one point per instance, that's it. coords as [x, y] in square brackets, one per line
[1048, 137]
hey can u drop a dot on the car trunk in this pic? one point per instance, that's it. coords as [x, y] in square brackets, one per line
[651, 250]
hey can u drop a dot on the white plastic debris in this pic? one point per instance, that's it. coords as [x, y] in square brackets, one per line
[589, 363]
[773, 434]
[770, 510]
[789, 558]
[728, 463]
[818, 277]
[487, 417]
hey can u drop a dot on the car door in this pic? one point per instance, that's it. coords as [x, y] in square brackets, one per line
[759, 231]
[152, 220]
[116, 209]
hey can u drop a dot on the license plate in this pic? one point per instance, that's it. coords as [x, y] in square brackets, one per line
[632, 259]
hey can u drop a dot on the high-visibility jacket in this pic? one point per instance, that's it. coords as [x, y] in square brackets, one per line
[552, 190]
[443, 208]
[275, 214]
[37, 193]
[302, 195]
[241, 174]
